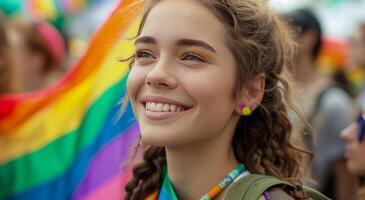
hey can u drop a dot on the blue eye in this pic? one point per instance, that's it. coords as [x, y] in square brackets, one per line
[143, 54]
[191, 57]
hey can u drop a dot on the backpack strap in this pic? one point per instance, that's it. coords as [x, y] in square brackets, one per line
[314, 194]
[251, 187]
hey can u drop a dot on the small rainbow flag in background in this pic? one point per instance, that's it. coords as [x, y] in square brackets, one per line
[332, 56]
[51, 9]
[69, 141]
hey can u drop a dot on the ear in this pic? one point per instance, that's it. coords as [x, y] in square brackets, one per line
[251, 93]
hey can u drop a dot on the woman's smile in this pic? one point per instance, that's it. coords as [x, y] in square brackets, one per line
[162, 108]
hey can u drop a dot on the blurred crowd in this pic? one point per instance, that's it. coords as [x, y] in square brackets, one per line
[329, 104]
[33, 55]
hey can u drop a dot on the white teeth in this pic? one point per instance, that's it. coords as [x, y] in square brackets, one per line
[152, 106]
[172, 108]
[159, 107]
[163, 107]
[166, 107]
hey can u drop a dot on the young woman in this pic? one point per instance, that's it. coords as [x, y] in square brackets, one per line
[354, 136]
[208, 91]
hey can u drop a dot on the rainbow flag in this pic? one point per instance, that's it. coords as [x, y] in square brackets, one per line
[70, 141]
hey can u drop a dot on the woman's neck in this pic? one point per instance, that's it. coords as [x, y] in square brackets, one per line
[195, 168]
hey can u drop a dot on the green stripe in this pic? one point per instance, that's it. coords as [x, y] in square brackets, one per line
[167, 186]
[52, 160]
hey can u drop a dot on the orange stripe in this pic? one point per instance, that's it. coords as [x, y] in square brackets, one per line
[214, 191]
[153, 196]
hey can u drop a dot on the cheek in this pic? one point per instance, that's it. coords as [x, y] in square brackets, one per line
[213, 94]
[356, 163]
[361, 157]
[135, 82]
[210, 87]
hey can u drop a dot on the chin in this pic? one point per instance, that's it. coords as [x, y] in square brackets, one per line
[158, 142]
[159, 138]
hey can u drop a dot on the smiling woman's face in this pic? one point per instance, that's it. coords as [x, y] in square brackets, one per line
[182, 82]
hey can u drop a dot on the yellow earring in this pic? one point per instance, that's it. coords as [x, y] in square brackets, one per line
[245, 110]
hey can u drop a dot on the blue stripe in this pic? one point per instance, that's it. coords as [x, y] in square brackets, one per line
[163, 195]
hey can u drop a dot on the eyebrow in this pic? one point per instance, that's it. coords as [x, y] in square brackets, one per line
[181, 42]
[145, 40]
[199, 43]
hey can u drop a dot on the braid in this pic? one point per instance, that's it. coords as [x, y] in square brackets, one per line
[147, 174]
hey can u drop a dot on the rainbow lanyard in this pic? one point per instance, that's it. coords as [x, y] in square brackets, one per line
[167, 191]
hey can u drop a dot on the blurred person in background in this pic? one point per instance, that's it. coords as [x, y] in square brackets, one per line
[8, 69]
[354, 136]
[40, 49]
[357, 57]
[327, 107]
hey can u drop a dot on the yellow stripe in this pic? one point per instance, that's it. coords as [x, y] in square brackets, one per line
[58, 119]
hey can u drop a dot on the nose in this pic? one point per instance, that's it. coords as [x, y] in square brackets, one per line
[161, 76]
[349, 133]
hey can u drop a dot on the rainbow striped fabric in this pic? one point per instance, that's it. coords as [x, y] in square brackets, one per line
[166, 192]
[69, 141]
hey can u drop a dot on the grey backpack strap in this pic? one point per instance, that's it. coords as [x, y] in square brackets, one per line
[251, 187]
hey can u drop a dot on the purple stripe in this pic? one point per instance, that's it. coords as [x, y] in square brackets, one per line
[108, 162]
[266, 196]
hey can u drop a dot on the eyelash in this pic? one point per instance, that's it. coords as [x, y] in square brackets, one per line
[139, 54]
[195, 57]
